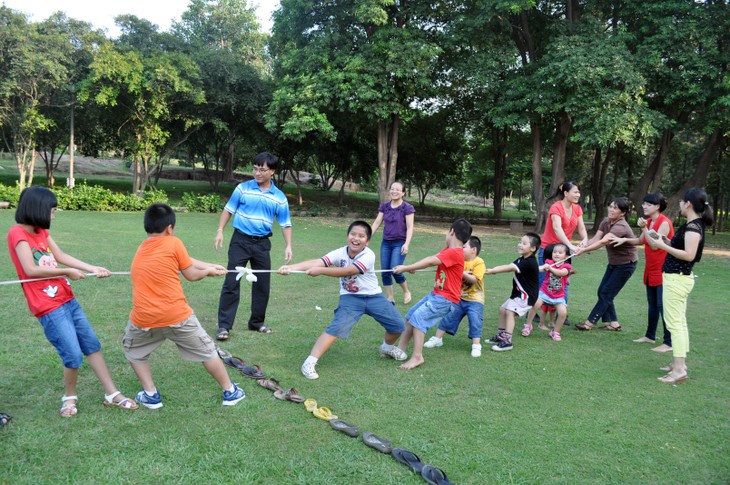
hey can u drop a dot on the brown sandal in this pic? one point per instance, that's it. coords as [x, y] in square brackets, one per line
[289, 395]
[584, 326]
[611, 328]
[271, 384]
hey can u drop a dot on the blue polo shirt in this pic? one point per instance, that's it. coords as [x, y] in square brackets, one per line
[254, 209]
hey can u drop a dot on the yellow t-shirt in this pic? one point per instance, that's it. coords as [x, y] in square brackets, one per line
[474, 292]
[157, 295]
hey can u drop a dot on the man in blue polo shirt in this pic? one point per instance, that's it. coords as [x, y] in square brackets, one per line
[254, 205]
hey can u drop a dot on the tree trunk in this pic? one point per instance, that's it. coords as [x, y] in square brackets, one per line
[562, 133]
[537, 193]
[499, 150]
[387, 155]
[699, 177]
[652, 177]
[598, 182]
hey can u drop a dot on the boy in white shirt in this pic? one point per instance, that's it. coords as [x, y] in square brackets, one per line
[360, 295]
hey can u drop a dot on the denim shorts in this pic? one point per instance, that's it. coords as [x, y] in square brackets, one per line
[353, 307]
[474, 312]
[551, 301]
[429, 311]
[70, 332]
[192, 341]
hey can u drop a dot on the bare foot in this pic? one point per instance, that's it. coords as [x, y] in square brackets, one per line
[644, 340]
[543, 327]
[413, 362]
[662, 348]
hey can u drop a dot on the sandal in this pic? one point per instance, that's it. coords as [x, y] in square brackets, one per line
[408, 458]
[324, 413]
[668, 379]
[223, 354]
[252, 371]
[125, 403]
[235, 362]
[69, 409]
[434, 476]
[611, 328]
[311, 405]
[289, 395]
[584, 326]
[4, 419]
[261, 329]
[527, 330]
[271, 384]
[376, 442]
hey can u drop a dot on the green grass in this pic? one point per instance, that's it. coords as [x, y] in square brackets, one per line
[586, 410]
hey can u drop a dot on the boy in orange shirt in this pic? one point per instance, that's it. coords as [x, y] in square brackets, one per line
[160, 310]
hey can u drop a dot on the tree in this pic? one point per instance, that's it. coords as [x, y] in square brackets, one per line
[142, 87]
[32, 67]
[373, 57]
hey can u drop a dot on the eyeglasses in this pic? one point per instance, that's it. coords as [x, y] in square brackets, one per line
[260, 170]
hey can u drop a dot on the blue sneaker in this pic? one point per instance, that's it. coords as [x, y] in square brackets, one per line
[231, 398]
[151, 402]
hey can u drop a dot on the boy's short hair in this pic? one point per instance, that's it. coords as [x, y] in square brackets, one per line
[364, 225]
[475, 242]
[157, 217]
[534, 240]
[266, 158]
[462, 230]
[34, 207]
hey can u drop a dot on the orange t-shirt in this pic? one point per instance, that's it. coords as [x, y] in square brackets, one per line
[157, 295]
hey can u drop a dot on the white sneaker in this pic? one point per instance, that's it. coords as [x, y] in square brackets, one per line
[476, 350]
[434, 342]
[309, 372]
[394, 353]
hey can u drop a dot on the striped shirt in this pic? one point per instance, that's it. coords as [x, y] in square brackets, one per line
[254, 209]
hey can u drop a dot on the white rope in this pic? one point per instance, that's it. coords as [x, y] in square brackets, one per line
[30, 280]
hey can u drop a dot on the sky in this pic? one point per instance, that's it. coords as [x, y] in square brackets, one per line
[101, 13]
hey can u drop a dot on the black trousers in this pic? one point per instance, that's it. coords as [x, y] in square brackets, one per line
[244, 249]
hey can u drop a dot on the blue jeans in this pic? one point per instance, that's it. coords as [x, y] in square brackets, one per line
[70, 332]
[474, 312]
[353, 307]
[391, 257]
[656, 310]
[613, 281]
[429, 311]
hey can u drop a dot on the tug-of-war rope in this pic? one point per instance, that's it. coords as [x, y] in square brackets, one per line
[240, 270]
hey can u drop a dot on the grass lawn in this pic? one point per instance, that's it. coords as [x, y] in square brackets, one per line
[585, 410]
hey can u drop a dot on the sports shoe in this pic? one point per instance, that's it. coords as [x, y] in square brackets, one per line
[394, 353]
[494, 340]
[231, 398]
[434, 342]
[151, 402]
[309, 371]
[502, 345]
[476, 350]
[527, 330]
[555, 336]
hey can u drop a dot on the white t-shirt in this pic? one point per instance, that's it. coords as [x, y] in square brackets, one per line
[363, 283]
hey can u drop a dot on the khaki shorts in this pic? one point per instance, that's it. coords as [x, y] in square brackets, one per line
[517, 305]
[192, 341]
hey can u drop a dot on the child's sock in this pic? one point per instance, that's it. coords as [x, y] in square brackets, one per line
[232, 388]
[507, 337]
[311, 360]
[150, 394]
[386, 346]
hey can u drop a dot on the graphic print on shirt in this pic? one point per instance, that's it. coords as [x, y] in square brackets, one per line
[555, 283]
[43, 257]
[440, 280]
[349, 283]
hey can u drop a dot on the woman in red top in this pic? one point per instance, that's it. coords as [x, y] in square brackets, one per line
[653, 224]
[564, 217]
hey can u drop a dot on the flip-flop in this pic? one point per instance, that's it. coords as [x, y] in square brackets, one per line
[311, 405]
[376, 442]
[4, 419]
[252, 371]
[289, 395]
[324, 413]
[611, 328]
[409, 459]
[235, 362]
[222, 353]
[349, 429]
[435, 476]
[271, 384]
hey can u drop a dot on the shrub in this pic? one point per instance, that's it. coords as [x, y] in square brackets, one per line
[9, 194]
[211, 203]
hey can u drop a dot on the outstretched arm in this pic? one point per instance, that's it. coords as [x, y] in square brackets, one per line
[200, 269]
[426, 262]
[505, 268]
